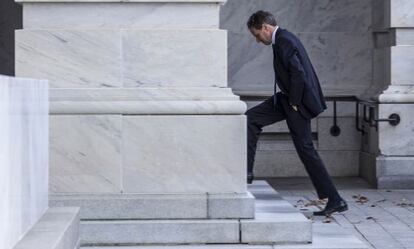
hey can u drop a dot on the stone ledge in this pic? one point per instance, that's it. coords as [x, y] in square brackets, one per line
[149, 107]
[231, 206]
[159, 232]
[396, 182]
[135, 206]
[158, 206]
[57, 229]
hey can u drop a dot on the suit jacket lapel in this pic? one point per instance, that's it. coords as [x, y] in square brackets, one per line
[277, 67]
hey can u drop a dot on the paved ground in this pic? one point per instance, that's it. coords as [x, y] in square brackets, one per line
[381, 218]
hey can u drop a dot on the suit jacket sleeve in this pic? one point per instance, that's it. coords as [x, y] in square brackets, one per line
[296, 72]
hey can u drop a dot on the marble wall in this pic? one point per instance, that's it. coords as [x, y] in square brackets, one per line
[23, 156]
[336, 33]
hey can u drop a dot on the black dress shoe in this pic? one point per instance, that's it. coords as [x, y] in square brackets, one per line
[250, 177]
[332, 207]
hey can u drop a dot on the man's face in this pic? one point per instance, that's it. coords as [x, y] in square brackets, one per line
[263, 35]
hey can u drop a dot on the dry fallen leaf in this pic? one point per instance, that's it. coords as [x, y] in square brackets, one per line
[360, 199]
[327, 220]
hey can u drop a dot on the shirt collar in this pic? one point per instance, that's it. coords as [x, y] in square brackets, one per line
[274, 35]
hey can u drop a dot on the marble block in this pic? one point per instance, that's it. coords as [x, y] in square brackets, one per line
[135, 15]
[85, 153]
[231, 206]
[129, 58]
[23, 156]
[161, 232]
[404, 36]
[184, 154]
[343, 62]
[394, 166]
[174, 58]
[70, 58]
[402, 65]
[134, 206]
[302, 15]
[396, 140]
[398, 94]
[400, 14]
[58, 228]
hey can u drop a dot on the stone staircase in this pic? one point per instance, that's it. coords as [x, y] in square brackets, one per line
[276, 224]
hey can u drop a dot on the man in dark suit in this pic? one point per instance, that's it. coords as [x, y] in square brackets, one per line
[299, 100]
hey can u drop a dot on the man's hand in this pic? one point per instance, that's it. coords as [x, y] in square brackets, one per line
[295, 107]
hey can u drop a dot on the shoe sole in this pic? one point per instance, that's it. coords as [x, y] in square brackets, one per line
[342, 209]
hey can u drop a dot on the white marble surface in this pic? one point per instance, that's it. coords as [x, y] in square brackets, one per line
[402, 65]
[23, 156]
[302, 15]
[70, 58]
[184, 154]
[337, 35]
[143, 94]
[85, 153]
[343, 62]
[404, 36]
[400, 13]
[398, 94]
[132, 58]
[174, 58]
[149, 107]
[131, 15]
[396, 140]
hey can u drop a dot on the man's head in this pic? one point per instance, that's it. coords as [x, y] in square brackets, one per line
[262, 24]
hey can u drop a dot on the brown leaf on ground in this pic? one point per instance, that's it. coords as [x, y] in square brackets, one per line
[327, 219]
[405, 204]
[360, 199]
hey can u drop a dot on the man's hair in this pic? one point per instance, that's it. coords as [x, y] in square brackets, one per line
[259, 18]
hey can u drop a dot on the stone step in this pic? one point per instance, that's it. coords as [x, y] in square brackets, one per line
[158, 206]
[276, 222]
[284, 228]
[58, 228]
[325, 236]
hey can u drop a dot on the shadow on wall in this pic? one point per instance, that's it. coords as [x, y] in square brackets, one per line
[10, 20]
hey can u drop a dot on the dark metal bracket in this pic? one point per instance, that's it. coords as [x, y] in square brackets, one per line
[370, 116]
[335, 129]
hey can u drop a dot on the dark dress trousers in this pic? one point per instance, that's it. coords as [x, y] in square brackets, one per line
[299, 85]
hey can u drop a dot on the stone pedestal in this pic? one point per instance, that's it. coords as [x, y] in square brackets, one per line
[143, 125]
[23, 156]
[390, 154]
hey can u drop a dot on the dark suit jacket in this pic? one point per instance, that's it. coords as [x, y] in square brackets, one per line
[295, 75]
